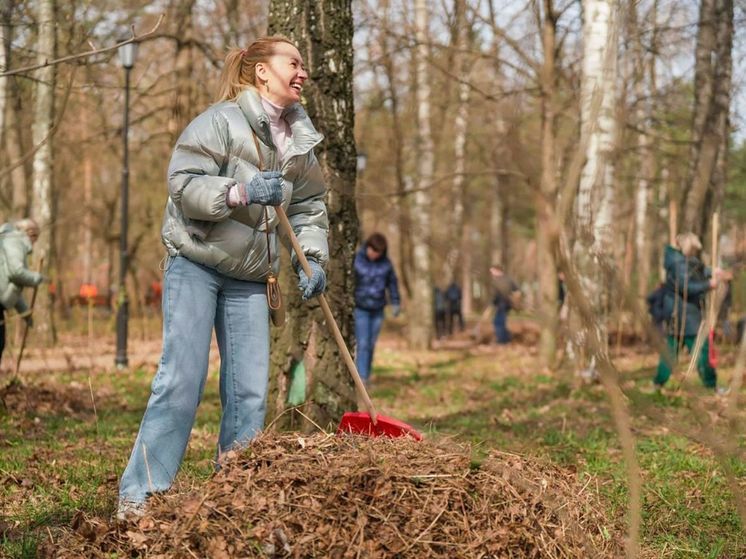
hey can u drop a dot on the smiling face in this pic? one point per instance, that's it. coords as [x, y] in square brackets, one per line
[282, 76]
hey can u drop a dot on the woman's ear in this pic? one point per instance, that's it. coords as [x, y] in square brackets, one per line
[261, 71]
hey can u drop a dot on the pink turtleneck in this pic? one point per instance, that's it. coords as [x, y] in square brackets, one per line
[278, 127]
[281, 134]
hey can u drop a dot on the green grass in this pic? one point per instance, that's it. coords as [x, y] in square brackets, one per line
[54, 463]
[688, 511]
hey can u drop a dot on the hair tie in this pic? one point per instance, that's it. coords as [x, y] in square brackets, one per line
[243, 52]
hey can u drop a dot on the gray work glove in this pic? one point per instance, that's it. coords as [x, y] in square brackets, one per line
[316, 284]
[265, 188]
[395, 310]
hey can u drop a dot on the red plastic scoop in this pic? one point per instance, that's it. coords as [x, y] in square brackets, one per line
[359, 423]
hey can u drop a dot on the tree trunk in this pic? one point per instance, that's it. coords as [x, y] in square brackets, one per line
[594, 233]
[42, 206]
[5, 38]
[397, 142]
[183, 107]
[546, 201]
[712, 83]
[323, 33]
[644, 67]
[420, 312]
[16, 143]
[458, 239]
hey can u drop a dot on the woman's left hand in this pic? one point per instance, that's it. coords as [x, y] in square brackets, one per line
[316, 284]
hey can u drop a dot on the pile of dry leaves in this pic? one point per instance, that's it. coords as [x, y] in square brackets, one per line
[329, 496]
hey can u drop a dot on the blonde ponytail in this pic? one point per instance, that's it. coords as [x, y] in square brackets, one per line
[239, 69]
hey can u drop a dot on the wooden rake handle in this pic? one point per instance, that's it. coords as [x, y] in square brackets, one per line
[285, 223]
[714, 256]
[25, 326]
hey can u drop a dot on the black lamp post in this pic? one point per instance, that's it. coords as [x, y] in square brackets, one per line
[127, 56]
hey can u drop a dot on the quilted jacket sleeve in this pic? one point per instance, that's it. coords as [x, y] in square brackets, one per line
[199, 158]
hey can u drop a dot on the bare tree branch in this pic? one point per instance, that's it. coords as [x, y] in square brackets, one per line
[134, 39]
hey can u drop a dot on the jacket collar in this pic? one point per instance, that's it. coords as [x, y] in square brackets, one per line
[304, 135]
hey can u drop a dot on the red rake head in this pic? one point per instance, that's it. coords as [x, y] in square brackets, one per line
[360, 423]
[712, 350]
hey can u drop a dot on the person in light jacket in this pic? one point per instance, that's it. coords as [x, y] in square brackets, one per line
[16, 241]
[232, 164]
[374, 278]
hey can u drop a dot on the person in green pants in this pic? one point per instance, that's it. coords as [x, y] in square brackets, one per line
[686, 286]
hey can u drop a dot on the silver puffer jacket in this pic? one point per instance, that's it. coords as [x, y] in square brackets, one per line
[216, 151]
[15, 246]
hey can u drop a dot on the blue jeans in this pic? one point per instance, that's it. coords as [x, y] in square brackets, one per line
[367, 327]
[502, 334]
[196, 299]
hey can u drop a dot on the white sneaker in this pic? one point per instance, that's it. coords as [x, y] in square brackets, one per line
[129, 510]
[722, 390]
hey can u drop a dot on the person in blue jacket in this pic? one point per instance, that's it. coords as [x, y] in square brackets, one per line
[374, 276]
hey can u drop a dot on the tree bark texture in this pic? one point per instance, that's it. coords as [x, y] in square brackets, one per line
[644, 76]
[5, 38]
[594, 235]
[397, 137]
[184, 106]
[546, 200]
[42, 205]
[322, 32]
[710, 123]
[420, 312]
[458, 240]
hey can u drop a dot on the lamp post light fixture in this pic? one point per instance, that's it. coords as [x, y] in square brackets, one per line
[127, 57]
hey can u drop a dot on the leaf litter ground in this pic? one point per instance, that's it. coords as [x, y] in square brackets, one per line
[321, 495]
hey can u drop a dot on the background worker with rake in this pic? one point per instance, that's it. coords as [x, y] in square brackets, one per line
[687, 283]
[251, 150]
[16, 241]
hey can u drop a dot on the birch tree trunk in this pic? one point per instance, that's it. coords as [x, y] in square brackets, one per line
[594, 216]
[712, 85]
[644, 68]
[420, 312]
[42, 205]
[546, 201]
[457, 245]
[323, 33]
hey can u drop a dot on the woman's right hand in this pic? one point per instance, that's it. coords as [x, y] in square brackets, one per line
[265, 188]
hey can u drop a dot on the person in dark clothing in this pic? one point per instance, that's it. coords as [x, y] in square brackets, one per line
[656, 307]
[453, 304]
[505, 291]
[561, 289]
[724, 312]
[374, 278]
[686, 286]
[439, 310]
